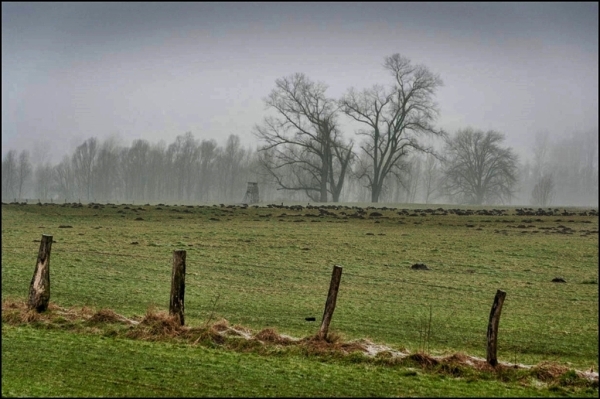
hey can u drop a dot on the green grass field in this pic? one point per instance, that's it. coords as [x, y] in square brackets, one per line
[270, 267]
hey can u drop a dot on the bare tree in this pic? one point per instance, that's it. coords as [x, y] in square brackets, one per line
[134, 164]
[302, 138]
[64, 179]
[156, 171]
[543, 191]
[208, 156]
[541, 177]
[231, 160]
[574, 164]
[394, 118]
[402, 182]
[9, 175]
[83, 162]
[44, 174]
[477, 169]
[541, 150]
[339, 166]
[106, 173]
[431, 178]
[24, 170]
[183, 155]
[412, 178]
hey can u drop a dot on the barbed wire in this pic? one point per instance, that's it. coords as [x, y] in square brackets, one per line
[372, 279]
[509, 339]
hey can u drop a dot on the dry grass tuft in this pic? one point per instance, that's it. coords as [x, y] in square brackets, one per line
[423, 359]
[11, 316]
[10, 303]
[458, 358]
[88, 312]
[17, 312]
[463, 359]
[53, 307]
[333, 344]
[221, 325]
[157, 325]
[210, 334]
[331, 338]
[272, 336]
[31, 316]
[354, 346]
[334, 337]
[548, 371]
[106, 316]
[239, 327]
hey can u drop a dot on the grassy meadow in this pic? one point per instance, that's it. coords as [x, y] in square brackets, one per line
[270, 267]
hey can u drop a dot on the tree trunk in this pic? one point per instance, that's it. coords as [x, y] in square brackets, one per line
[324, 178]
[335, 196]
[375, 191]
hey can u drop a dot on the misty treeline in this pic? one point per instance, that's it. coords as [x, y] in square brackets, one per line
[562, 171]
[187, 170]
[392, 152]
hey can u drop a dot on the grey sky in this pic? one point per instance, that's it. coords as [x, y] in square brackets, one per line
[156, 70]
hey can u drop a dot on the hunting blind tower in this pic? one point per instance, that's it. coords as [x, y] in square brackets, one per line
[251, 196]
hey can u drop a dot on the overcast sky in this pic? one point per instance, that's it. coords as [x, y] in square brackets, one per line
[71, 71]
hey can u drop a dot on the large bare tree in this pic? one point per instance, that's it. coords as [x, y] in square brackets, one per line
[478, 170]
[305, 148]
[393, 119]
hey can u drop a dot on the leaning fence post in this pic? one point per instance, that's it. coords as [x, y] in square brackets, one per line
[334, 286]
[39, 288]
[492, 331]
[176, 306]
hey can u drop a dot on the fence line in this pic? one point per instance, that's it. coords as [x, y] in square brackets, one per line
[346, 274]
[177, 304]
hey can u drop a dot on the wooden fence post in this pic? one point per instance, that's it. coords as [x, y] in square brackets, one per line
[176, 306]
[39, 288]
[334, 286]
[492, 331]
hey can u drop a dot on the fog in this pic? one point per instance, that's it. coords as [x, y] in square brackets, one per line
[121, 72]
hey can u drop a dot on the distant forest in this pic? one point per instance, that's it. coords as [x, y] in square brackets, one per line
[201, 171]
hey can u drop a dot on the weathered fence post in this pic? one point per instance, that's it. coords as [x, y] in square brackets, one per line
[492, 331]
[39, 289]
[176, 307]
[334, 286]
